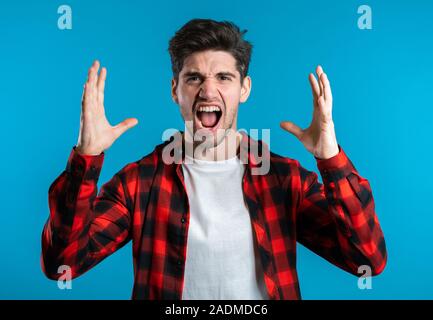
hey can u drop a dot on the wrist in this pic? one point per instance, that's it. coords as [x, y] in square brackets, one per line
[86, 152]
[328, 153]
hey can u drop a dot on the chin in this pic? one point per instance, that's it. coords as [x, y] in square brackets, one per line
[209, 138]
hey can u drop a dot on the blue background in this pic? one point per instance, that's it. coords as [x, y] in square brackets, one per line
[381, 81]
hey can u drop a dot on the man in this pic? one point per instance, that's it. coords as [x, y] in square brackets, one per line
[208, 227]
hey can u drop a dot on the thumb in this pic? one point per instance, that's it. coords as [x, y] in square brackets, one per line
[126, 124]
[292, 128]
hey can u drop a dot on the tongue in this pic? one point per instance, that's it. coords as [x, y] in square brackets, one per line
[208, 119]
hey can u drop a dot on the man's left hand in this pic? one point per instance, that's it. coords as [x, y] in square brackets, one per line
[319, 138]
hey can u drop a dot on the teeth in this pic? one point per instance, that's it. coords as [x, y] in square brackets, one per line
[209, 108]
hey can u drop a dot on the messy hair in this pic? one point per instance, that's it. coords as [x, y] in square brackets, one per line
[205, 34]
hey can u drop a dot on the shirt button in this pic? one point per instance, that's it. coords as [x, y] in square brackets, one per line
[179, 263]
[182, 220]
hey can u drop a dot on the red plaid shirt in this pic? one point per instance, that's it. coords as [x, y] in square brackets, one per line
[146, 202]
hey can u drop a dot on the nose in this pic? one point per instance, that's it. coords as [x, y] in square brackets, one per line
[208, 90]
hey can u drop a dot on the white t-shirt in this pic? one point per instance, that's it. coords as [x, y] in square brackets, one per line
[222, 259]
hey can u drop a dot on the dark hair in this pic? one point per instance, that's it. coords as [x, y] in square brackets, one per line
[205, 34]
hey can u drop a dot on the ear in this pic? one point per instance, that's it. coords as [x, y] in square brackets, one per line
[173, 91]
[246, 89]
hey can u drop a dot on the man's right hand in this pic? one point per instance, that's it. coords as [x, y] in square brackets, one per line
[96, 134]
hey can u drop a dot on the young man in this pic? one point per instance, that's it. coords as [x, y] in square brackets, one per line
[210, 227]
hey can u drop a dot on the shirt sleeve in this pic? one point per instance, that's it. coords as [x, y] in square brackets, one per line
[83, 228]
[337, 219]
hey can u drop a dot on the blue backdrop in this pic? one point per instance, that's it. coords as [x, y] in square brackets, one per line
[381, 80]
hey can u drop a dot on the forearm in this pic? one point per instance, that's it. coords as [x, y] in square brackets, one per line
[71, 195]
[70, 202]
[351, 201]
[340, 214]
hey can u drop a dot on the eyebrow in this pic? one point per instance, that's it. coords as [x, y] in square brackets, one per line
[198, 74]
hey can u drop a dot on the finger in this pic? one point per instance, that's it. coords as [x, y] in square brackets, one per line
[314, 86]
[87, 92]
[319, 72]
[101, 85]
[326, 87]
[93, 73]
[292, 128]
[101, 80]
[325, 110]
[124, 125]
[321, 102]
[83, 95]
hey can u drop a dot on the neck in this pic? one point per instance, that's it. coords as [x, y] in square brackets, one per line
[226, 149]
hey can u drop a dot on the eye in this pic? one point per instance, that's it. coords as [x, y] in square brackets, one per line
[225, 78]
[192, 78]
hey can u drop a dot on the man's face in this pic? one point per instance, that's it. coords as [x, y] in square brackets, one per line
[209, 91]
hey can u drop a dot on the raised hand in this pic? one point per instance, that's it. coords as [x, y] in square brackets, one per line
[319, 138]
[96, 134]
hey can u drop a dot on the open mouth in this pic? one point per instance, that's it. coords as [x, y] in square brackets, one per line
[209, 116]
